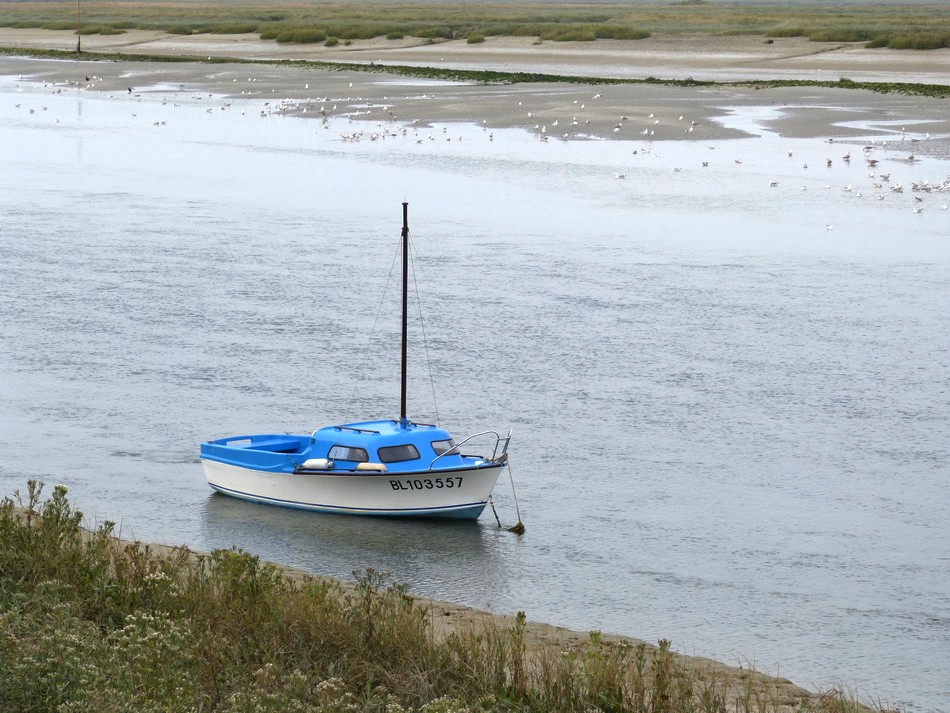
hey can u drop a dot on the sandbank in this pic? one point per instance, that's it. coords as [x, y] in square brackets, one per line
[559, 109]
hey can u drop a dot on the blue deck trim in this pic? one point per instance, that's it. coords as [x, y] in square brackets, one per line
[467, 511]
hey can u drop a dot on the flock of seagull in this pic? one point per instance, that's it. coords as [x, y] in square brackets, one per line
[872, 153]
[360, 115]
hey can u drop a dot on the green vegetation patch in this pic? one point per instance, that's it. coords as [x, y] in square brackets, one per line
[300, 35]
[101, 30]
[907, 41]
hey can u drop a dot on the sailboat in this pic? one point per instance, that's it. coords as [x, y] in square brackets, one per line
[385, 467]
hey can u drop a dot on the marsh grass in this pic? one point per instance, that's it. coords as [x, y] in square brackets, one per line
[911, 26]
[909, 41]
[101, 30]
[90, 624]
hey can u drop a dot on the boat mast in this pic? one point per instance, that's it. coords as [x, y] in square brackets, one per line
[405, 304]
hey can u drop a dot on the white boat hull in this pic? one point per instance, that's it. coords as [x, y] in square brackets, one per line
[457, 493]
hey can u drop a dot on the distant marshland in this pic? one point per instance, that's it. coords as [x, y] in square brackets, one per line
[899, 26]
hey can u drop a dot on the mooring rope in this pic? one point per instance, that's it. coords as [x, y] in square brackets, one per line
[519, 528]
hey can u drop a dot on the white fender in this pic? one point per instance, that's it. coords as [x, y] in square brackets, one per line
[317, 464]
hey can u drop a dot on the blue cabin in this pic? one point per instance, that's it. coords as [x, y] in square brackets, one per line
[396, 446]
[369, 446]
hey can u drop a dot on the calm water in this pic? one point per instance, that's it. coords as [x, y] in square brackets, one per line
[730, 421]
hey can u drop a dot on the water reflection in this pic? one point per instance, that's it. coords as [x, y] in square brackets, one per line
[422, 552]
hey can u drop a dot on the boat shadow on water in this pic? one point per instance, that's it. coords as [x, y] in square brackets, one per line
[436, 558]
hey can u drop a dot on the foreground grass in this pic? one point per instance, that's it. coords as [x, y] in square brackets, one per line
[91, 624]
[910, 26]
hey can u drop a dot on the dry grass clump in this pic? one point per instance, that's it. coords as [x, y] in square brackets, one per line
[90, 624]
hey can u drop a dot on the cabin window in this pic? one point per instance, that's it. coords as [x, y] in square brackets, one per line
[347, 453]
[395, 454]
[448, 446]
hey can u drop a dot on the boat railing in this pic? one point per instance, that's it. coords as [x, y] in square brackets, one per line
[499, 452]
[503, 444]
[313, 435]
